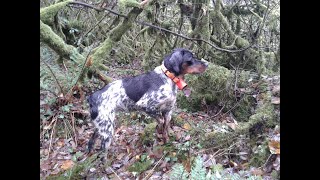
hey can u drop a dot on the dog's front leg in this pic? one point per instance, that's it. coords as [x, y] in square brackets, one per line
[92, 140]
[166, 126]
[160, 124]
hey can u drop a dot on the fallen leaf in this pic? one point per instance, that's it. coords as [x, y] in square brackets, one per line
[257, 172]
[187, 164]
[156, 153]
[233, 164]
[243, 153]
[178, 135]
[274, 147]
[56, 171]
[232, 125]
[187, 138]
[44, 167]
[120, 156]
[116, 166]
[67, 164]
[275, 100]
[176, 128]
[47, 127]
[276, 163]
[187, 126]
[211, 161]
[80, 130]
[243, 158]
[137, 157]
[60, 143]
[276, 89]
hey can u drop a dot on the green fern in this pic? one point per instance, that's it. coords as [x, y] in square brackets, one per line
[178, 172]
[198, 171]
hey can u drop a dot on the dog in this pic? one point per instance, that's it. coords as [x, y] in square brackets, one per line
[153, 92]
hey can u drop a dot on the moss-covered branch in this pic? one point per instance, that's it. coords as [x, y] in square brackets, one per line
[57, 44]
[47, 14]
[257, 58]
[264, 116]
[102, 52]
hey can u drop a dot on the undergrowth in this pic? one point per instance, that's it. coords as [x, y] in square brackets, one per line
[199, 172]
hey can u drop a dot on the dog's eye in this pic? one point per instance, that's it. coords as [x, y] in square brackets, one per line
[189, 62]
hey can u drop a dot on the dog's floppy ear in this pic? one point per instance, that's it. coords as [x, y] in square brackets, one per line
[175, 61]
[181, 50]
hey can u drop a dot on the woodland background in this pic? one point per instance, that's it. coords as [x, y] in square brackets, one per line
[229, 127]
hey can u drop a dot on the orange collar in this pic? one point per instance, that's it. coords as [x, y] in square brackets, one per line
[179, 82]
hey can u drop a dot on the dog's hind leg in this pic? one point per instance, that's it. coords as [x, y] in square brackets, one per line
[106, 139]
[105, 125]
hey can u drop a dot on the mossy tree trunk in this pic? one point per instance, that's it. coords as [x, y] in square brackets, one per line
[48, 36]
[201, 27]
[101, 53]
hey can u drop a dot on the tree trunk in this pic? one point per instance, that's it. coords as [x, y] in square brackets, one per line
[102, 52]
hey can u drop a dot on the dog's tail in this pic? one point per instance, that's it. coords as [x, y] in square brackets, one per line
[92, 100]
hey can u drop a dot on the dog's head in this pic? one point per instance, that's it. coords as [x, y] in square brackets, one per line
[182, 61]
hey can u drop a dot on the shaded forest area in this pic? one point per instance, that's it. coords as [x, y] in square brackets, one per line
[228, 128]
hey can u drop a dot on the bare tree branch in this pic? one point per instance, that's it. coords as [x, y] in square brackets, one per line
[162, 29]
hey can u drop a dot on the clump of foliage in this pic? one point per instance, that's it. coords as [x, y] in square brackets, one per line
[199, 172]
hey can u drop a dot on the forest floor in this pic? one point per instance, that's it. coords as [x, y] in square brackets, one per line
[136, 152]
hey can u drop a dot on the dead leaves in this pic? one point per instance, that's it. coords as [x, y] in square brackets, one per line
[67, 164]
[275, 100]
[232, 125]
[274, 147]
[187, 126]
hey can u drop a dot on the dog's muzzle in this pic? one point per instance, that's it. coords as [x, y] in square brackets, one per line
[206, 63]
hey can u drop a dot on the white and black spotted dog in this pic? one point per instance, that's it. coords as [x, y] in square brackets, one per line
[153, 92]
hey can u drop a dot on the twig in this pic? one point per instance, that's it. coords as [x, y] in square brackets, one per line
[233, 106]
[83, 67]
[115, 173]
[267, 160]
[51, 137]
[54, 76]
[73, 128]
[219, 111]
[155, 166]
[193, 39]
[85, 34]
[163, 29]
[96, 8]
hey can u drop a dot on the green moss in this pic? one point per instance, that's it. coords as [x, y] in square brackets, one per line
[103, 51]
[57, 44]
[210, 86]
[260, 155]
[47, 13]
[129, 3]
[147, 135]
[275, 174]
[241, 43]
[243, 111]
[140, 167]
[178, 120]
